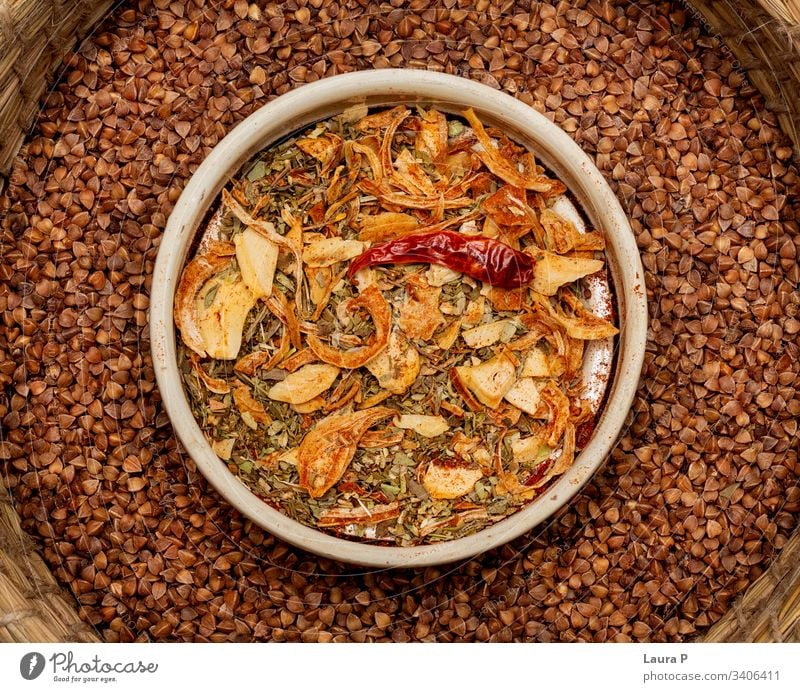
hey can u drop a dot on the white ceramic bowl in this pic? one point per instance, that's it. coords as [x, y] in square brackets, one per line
[326, 98]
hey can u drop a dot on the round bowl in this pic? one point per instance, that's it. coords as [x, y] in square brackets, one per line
[325, 98]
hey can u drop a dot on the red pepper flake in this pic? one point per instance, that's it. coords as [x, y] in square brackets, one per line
[538, 473]
[584, 433]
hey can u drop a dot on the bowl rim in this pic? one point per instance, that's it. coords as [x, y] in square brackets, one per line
[287, 114]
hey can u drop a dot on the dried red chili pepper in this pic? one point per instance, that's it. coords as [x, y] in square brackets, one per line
[481, 258]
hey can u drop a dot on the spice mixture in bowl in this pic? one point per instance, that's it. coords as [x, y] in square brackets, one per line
[395, 330]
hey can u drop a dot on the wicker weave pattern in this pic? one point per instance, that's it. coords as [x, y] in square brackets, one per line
[788, 12]
[770, 610]
[34, 35]
[33, 608]
[765, 39]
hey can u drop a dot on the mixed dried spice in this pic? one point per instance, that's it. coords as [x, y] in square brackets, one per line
[384, 338]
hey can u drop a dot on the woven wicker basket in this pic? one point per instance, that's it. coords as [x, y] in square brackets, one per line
[34, 36]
